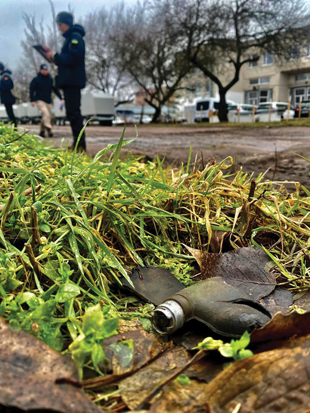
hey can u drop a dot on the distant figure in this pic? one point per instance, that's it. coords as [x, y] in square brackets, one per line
[41, 88]
[71, 71]
[6, 85]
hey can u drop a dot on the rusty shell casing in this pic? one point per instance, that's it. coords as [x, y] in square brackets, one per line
[227, 310]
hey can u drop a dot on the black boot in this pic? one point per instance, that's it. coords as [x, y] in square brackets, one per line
[50, 133]
[42, 133]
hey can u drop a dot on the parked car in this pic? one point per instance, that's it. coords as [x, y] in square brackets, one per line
[121, 120]
[118, 121]
[145, 119]
[124, 113]
[275, 106]
[304, 111]
[276, 114]
[291, 115]
[241, 107]
[240, 112]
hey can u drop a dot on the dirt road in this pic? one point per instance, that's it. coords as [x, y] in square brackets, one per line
[255, 149]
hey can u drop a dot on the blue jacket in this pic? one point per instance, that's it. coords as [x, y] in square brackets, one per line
[6, 85]
[41, 88]
[71, 59]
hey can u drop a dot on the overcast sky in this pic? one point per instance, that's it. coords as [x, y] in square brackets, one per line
[12, 24]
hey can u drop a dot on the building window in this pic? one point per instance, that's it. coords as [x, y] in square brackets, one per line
[198, 90]
[259, 81]
[300, 93]
[267, 59]
[253, 98]
[258, 96]
[263, 98]
[253, 63]
[254, 81]
[302, 77]
[264, 80]
[294, 53]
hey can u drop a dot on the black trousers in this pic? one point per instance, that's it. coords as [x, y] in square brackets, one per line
[73, 110]
[9, 111]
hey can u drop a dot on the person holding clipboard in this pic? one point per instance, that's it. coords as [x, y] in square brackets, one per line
[71, 76]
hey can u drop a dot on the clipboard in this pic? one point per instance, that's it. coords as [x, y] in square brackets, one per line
[42, 50]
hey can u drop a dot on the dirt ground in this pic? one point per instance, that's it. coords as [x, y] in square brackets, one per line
[255, 149]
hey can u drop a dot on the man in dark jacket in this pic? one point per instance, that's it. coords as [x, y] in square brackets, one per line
[71, 71]
[6, 85]
[41, 88]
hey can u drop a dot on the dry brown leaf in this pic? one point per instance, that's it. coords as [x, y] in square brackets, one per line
[33, 376]
[247, 269]
[134, 389]
[217, 240]
[273, 381]
[283, 327]
[279, 300]
[182, 399]
[302, 300]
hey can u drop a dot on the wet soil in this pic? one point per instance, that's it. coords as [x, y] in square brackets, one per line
[256, 150]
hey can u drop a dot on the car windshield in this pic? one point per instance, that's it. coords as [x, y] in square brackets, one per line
[264, 106]
[232, 107]
[203, 105]
[247, 107]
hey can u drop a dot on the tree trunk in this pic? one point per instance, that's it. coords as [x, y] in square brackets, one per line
[156, 115]
[223, 113]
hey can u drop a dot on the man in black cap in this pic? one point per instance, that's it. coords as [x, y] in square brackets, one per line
[6, 85]
[71, 71]
[41, 88]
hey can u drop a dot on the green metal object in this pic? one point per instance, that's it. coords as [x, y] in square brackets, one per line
[225, 309]
[153, 284]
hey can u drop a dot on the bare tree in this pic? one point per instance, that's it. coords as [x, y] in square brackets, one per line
[34, 34]
[105, 70]
[53, 37]
[148, 48]
[220, 36]
[22, 79]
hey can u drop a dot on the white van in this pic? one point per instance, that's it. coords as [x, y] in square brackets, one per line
[205, 106]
